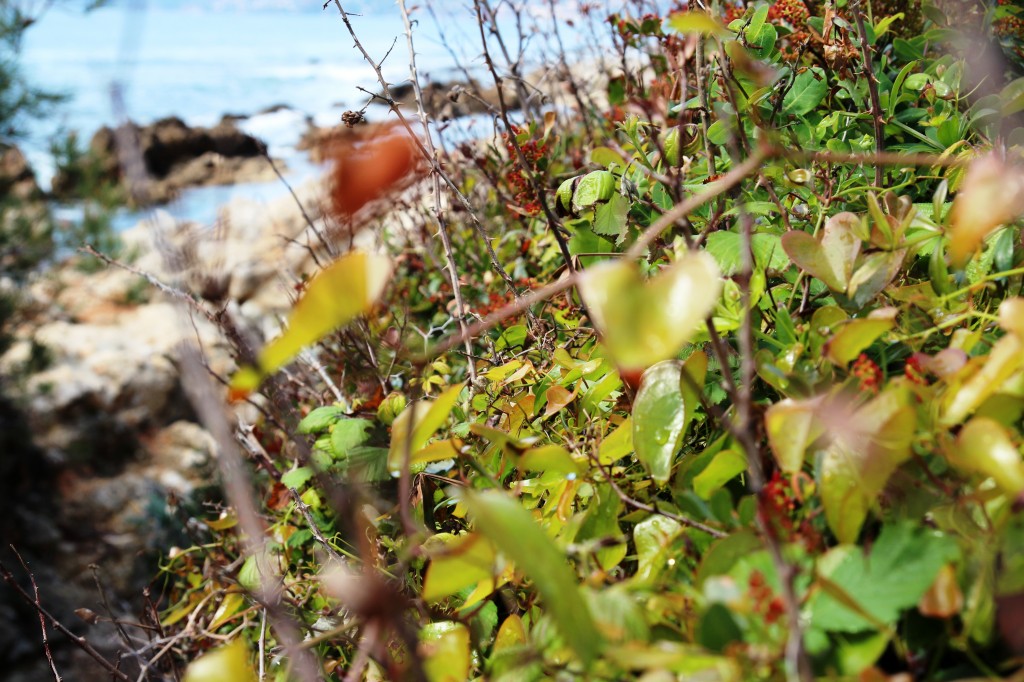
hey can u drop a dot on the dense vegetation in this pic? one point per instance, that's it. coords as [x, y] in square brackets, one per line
[719, 375]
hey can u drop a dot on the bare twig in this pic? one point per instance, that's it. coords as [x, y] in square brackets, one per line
[42, 619]
[81, 642]
[442, 223]
[313, 527]
[642, 506]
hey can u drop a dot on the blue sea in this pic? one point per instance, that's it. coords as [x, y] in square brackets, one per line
[200, 64]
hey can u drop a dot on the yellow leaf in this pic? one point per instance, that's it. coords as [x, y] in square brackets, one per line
[427, 416]
[343, 290]
[1005, 358]
[233, 602]
[229, 663]
[984, 447]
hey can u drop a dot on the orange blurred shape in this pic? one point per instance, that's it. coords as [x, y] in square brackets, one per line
[369, 169]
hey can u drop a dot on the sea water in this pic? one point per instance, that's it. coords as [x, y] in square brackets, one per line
[200, 64]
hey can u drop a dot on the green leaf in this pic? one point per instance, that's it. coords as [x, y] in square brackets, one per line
[229, 662]
[610, 218]
[718, 629]
[457, 562]
[792, 426]
[727, 249]
[809, 89]
[592, 188]
[512, 529]
[874, 275]
[902, 565]
[659, 419]
[348, 434]
[723, 554]
[856, 335]
[725, 466]
[654, 539]
[319, 419]
[645, 322]
[512, 633]
[296, 478]
[1005, 358]
[427, 416]
[756, 23]
[445, 648]
[602, 523]
[617, 444]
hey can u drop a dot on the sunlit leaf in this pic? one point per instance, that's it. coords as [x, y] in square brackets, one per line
[512, 529]
[427, 416]
[319, 419]
[725, 466]
[512, 633]
[1005, 358]
[654, 539]
[992, 194]
[445, 647]
[831, 257]
[343, 290]
[457, 562]
[232, 604]
[696, 22]
[229, 662]
[984, 447]
[617, 444]
[553, 458]
[874, 274]
[643, 323]
[866, 449]
[855, 336]
[792, 426]
[659, 419]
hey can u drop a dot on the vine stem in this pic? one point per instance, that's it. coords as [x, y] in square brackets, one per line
[876, 104]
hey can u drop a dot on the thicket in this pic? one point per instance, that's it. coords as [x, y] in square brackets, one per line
[717, 373]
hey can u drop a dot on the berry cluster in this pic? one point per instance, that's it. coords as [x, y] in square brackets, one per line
[1009, 27]
[765, 601]
[792, 12]
[524, 196]
[915, 369]
[868, 374]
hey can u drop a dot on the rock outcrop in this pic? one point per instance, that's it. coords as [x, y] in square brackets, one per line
[17, 179]
[174, 156]
[96, 446]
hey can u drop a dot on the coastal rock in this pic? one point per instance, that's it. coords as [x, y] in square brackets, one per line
[17, 180]
[174, 156]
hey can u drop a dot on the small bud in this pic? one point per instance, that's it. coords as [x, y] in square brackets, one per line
[390, 408]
